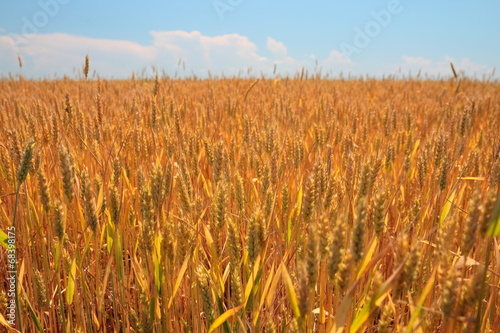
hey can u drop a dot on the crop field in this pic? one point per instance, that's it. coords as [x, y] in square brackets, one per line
[239, 205]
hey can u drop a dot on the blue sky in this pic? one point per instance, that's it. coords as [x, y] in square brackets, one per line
[230, 36]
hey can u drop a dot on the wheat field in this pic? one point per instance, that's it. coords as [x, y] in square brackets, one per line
[294, 204]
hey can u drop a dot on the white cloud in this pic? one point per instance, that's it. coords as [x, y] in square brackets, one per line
[466, 66]
[337, 58]
[62, 52]
[58, 53]
[442, 68]
[278, 49]
[226, 53]
[8, 55]
[7, 42]
[232, 54]
[420, 61]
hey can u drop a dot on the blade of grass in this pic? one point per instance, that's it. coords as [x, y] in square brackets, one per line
[70, 288]
[292, 296]
[180, 276]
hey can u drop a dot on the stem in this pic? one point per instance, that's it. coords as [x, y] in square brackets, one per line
[483, 288]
